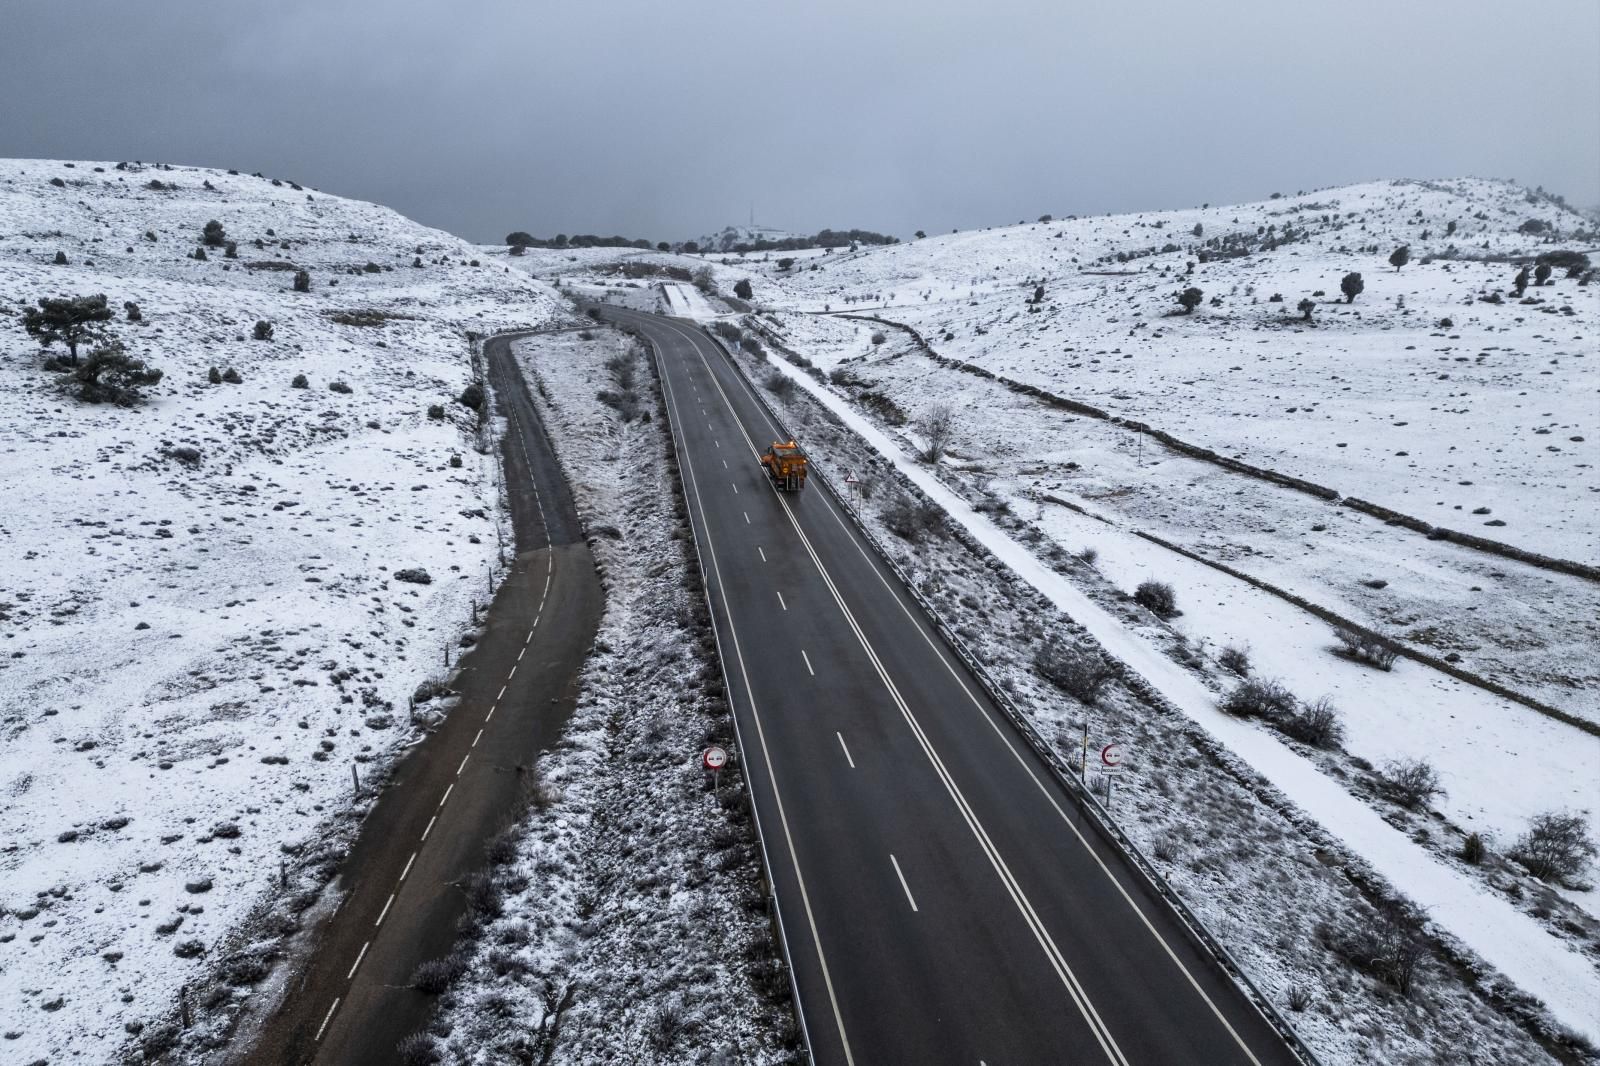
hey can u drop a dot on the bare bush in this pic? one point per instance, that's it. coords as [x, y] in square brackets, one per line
[1156, 597]
[1316, 724]
[1473, 849]
[1260, 698]
[418, 1049]
[1078, 671]
[936, 426]
[437, 975]
[1366, 647]
[909, 518]
[1410, 782]
[1556, 847]
[1390, 947]
[779, 384]
[1235, 660]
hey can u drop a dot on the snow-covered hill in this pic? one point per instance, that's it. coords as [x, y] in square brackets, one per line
[201, 625]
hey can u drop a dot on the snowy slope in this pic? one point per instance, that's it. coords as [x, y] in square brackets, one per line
[194, 656]
[1499, 409]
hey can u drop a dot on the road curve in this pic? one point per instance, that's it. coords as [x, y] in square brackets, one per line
[942, 900]
[399, 898]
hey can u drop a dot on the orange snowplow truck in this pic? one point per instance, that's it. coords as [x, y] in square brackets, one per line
[786, 465]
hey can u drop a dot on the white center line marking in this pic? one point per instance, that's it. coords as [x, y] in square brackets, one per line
[847, 757]
[491, 712]
[408, 866]
[746, 517]
[477, 738]
[763, 554]
[429, 829]
[718, 443]
[785, 606]
[326, 1018]
[529, 636]
[735, 488]
[724, 464]
[512, 674]
[362, 955]
[903, 884]
[523, 652]
[446, 795]
[463, 765]
[807, 658]
[502, 695]
[385, 912]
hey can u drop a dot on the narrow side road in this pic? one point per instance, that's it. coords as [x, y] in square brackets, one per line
[400, 886]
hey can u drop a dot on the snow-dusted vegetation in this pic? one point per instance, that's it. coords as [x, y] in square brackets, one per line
[215, 597]
[627, 920]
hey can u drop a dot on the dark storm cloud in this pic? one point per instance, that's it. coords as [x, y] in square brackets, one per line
[667, 120]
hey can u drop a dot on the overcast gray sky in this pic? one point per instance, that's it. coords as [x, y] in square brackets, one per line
[667, 119]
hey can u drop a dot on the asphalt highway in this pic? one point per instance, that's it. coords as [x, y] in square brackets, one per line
[941, 897]
[399, 894]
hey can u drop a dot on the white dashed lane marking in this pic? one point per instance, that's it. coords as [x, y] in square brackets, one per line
[847, 757]
[359, 957]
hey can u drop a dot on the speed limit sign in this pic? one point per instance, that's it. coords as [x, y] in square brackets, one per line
[714, 759]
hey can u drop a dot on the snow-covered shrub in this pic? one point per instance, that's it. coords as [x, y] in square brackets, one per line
[1316, 724]
[414, 576]
[936, 426]
[302, 281]
[132, 310]
[437, 975]
[779, 384]
[436, 412]
[214, 376]
[1389, 946]
[1410, 782]
[213, 235]
[1235, 659]
[471, 396]
[1078, 671]
[1556, 846]
[339, 386]
[419, 1049]
[909, 519]
[232, 377]
[1472, 849]
[263, 331]
[1366, 648]
[110, 375]
[300, 382]
[1156, 597]
[1260, 698]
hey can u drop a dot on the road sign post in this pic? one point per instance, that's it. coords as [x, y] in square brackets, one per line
[854, 483]
[713, 759]
[1110, 766]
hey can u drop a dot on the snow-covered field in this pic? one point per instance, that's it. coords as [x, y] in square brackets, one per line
[632, 926]
[196, 649]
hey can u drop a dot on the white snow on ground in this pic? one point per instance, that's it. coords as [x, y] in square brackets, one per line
[1497, 409]
[1568, 984]
[686, 301]
[195, 656]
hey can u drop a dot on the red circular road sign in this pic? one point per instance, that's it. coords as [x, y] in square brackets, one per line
[1111, 756]
[714, 759]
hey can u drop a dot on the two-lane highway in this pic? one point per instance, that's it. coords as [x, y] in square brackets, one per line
[941, 900]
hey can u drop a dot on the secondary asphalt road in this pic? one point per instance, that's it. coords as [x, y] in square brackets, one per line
[399, 886]
[942, 899]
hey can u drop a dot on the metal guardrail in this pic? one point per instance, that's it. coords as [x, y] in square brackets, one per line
[1064, 773]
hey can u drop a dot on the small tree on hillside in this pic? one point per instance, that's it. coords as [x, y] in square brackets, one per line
[1190, 299]
[663, 246]
[110, 375]
[1399, 257]
[1198, 230]
[1351, 286]
[1556, 847]
[1541, 274]
[920, 235]
[302, 281]
[1520, 282]
[704, 280]
[1305, 307]
[937, 428]
[213, 235]
[786, 262]
[519, 239]
[742, 290]
[72, 320]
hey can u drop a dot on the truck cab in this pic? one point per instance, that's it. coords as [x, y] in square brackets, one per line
[786, 465]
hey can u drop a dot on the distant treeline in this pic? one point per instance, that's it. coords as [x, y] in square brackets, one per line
[580, 240]
[828, 238]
